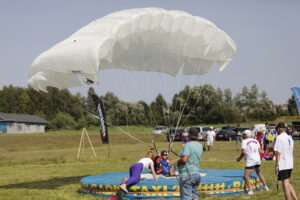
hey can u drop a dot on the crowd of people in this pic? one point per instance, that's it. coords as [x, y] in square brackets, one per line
[268, 144]
[264, 144]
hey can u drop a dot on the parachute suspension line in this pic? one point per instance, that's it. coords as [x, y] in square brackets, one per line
[133, 83]
[176, 101]
[167, 118]
[186, 100]
[165, 107]
[172, 137]
[181, 113]
[213, 80]
[127, 111]
[151, 111]
[84, 88]
[96, 117]
[122, 130]
[127, 108]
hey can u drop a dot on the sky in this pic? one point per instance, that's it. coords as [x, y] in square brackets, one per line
[267, 35]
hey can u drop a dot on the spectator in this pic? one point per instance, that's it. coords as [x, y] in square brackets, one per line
[210, 137]
[289, 130]
[284, 146]
[238, 134]
[266, 137]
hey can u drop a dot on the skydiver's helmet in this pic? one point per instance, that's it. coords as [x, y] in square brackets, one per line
[164, 153]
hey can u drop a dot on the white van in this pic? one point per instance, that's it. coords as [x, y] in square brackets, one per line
[202, 130]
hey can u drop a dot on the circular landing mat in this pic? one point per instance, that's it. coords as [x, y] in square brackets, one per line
[213, 182]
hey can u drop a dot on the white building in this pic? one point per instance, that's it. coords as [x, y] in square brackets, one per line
[19, 123]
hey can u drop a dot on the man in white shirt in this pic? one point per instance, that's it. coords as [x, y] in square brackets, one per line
[251, 150]
[284, 146]
[210, 137]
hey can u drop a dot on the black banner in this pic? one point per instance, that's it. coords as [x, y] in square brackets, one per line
[102, 121]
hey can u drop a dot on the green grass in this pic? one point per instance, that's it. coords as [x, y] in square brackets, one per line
[45, 166]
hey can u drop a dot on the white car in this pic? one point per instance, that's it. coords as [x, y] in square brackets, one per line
[202, 130]
[159, 130]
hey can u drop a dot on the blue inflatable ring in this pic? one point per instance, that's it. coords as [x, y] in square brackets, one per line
[213, 182]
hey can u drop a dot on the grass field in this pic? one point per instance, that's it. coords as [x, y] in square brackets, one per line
[45, 166]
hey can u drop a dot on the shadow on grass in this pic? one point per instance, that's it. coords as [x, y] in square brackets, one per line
[45, 184]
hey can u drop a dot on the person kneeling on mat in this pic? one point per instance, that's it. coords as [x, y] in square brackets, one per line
[136, 170]
[251, 150]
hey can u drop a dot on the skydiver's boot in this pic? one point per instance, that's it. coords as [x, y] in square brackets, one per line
[123, 187]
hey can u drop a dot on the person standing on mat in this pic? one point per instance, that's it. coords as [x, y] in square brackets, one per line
[251, 150]
[136, 170]
[189, 167]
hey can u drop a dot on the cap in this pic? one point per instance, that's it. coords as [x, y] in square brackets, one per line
[280, 125]
[211, 127]
[164, 153]
[193, 133]
[247, 132]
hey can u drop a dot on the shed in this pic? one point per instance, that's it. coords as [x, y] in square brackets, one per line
[21, 123]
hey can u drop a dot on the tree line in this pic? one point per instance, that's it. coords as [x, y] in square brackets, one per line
[193, 105]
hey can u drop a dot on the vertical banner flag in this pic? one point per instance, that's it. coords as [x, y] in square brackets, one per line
[296, 93]
[102, 121]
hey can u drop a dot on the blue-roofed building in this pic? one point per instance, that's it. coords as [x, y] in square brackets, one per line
[20, 123]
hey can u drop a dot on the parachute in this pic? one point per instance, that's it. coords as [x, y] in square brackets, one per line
[145, 39]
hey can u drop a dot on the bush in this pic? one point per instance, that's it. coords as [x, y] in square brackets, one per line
[87, 121]
[63, 120]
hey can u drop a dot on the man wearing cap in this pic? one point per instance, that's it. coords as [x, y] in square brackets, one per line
[284, 146]
[210, 137]
[189, 167]
[251, 150]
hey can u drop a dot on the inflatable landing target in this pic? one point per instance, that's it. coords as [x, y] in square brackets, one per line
[213, 182]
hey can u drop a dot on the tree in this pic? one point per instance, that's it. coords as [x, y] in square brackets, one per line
[159, 111]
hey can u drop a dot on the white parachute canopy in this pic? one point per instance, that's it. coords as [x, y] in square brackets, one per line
[145, 39]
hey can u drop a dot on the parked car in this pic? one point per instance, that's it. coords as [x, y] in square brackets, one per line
[202, 130]
[296, 129]
[226, 133]
[160, 130]
[250, 128]
[175, 133]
